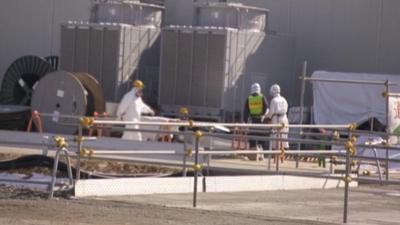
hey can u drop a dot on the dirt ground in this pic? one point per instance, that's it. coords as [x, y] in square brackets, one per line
[25, 207]
[368, 205]
[101, 167]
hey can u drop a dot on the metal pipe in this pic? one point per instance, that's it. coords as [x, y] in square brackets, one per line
[392, 94]
[196, 174]
[387, 125]
[334, 142]
[378, 165]
[269, 157]
[369, 133]
[185, 148]
[273, 152]
[349, 81]
[17, 143]
[302, 93]
[379, 147]
[135, 152]
[252, 137]
[346, 184]
[209, 124]
[370, 180]
[387, 164]
[79, 149]
[61, 116]
[263, 138]
[69, 169]
[266, 132]
[310, 174]
[373, 158]
[22, 181]
[209, 156]
[54, 174]
[277, 157]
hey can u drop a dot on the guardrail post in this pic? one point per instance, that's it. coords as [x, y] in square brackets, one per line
[279, 144]
[346, 188]
[184, 116]
[61, 147]
[211, 146]
[350, 149]
[196, 167]
[186, 152]
[387, 125]
[78, 153]
[387, 160]
[269, 156]
[54, 174]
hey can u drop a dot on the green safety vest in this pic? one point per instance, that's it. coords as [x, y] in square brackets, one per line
[255, 105]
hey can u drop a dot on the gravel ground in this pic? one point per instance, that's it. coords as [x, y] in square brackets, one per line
[101, 167]
[25, 207]
[368, 205]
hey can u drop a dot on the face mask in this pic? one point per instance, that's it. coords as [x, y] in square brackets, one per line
[139, 93]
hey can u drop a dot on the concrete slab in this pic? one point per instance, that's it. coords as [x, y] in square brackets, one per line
[369, 205]
[168, 185]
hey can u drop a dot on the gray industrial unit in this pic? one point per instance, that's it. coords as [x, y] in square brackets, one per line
[146, 20]
[112, 53]
[234, 15]
[128, 12]
[200, 67]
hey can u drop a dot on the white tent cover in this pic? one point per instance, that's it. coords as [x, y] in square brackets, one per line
[343, 103]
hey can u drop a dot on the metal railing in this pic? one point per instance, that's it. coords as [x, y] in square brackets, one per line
[349, 144]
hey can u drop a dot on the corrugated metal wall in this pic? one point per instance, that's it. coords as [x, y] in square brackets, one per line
[337, 35]
[33, 26]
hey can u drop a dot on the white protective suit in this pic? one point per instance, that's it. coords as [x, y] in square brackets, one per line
[278, 114]
[131, 109]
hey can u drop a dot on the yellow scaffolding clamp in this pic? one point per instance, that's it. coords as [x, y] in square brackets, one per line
[197, 167]
[87, 122]
[60, 142]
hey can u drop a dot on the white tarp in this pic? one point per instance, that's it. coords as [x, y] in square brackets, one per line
[342, 103]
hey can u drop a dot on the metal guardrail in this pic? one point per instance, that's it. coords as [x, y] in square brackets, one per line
[60, 145]
[349, 144]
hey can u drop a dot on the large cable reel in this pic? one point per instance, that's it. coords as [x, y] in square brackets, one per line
[14, 117]
[63, 94]
[96, 102]
[21, 78]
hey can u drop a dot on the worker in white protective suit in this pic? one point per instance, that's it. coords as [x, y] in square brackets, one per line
[278, 108]
[131, 108]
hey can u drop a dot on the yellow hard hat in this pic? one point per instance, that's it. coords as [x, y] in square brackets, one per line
[138, 84]
[183, 111]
